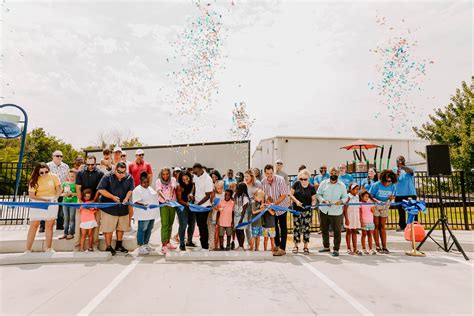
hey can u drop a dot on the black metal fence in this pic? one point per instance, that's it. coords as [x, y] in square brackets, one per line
[457, 191]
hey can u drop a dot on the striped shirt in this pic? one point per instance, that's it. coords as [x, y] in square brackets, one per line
[276, 189]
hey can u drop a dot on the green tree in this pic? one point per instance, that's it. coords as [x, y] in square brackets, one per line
[39, 147]
[453, 126]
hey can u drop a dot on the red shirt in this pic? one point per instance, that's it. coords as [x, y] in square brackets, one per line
[135, 169]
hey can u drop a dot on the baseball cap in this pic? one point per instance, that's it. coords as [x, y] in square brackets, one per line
[279, 161]
[117, 149]
[177, 169]
[353, 185]
[139, 152]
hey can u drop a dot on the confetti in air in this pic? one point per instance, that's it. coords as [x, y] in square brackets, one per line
[241, 122]
[198, 50]
[400, 75]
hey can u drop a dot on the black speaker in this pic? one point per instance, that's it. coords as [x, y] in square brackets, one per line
[438, 159]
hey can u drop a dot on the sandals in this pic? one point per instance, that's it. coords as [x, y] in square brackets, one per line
[350, 252]
[295, 250]
[365, 252]
[306, 251]
[62, 237]
[358, 252]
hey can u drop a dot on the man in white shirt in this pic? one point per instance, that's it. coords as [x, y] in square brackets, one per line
[203, 188]
[59, 168]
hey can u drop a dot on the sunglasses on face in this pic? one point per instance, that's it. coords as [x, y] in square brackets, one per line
[279, 163]
[141, 155]
[388, 180]
[123, 156]
[303, 179]
[59, 156]
[120, 172]
[91, 164]
[44, 172]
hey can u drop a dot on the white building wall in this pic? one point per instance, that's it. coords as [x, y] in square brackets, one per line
[313, 152]
[220, 156]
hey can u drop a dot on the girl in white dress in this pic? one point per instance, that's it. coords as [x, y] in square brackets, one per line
[352, 219]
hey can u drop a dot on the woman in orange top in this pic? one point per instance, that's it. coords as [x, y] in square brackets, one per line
[44, 186]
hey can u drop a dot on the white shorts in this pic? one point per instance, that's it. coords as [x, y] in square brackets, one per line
[39, 214]
[88, 225]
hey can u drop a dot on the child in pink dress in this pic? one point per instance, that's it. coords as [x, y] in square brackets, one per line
[88, 222]
[367, 223]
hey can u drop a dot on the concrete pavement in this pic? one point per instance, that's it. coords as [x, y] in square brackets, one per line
[438, 284]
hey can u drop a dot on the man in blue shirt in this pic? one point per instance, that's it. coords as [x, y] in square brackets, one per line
[322, 176]
[405, 188]
[331, 191]
[345, 178]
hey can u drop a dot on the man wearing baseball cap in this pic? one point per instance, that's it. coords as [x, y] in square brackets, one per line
[279, 171]
[138, 166]
[117, 155]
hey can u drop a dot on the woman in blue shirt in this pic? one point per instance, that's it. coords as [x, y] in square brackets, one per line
[383, 191]
[405, 189]
[370, 180]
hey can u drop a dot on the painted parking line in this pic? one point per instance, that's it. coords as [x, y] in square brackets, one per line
[351, 300]
[109, 288]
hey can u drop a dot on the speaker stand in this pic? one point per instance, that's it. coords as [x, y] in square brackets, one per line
[443, 221]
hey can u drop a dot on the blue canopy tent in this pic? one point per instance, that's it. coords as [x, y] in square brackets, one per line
[9, 129]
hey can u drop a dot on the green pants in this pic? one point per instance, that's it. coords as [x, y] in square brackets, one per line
[167, 214]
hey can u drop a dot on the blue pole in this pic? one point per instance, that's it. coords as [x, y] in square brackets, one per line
[22, 147]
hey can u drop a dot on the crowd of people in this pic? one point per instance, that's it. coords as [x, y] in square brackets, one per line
[229, 200]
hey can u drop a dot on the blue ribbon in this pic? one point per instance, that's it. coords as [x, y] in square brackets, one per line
[413, 207]
[273, 207]
[45, 205]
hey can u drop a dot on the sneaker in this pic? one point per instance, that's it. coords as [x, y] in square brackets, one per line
[365, 252]
[27, 251]
[112, 250]
[182, 248]
[204, 250]
[170, 246]
[373, 252]
[335, 253]
[142, 251]
[385, 251]
[121, 249]
[227, 248]
[50, 250]
[324, 250]
[232, 245]
[190, 244]
[149, 248]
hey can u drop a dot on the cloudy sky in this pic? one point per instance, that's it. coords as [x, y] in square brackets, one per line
[84, 67]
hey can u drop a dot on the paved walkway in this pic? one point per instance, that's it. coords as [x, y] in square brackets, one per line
[295, 284]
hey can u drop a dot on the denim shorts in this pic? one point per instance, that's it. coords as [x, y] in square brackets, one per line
[369, 226]
[257, 231]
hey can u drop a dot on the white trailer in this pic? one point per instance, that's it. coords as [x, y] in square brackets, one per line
[314, 151]
[218, 155]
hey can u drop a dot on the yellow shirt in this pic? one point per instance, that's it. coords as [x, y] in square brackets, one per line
[46, 185]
